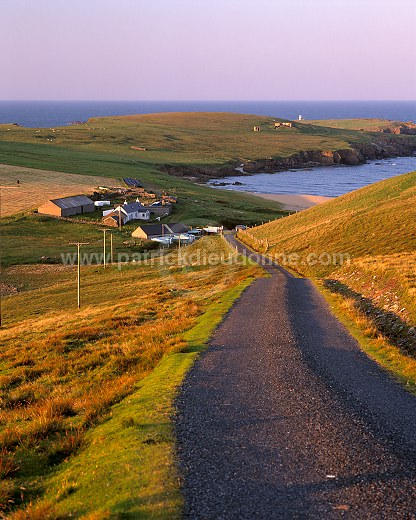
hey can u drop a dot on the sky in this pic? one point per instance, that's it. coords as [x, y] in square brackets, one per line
[207, 49]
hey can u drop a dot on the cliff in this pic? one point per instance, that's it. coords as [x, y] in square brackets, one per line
[381, 147]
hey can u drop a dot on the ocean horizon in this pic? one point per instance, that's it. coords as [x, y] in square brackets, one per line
[59, 113]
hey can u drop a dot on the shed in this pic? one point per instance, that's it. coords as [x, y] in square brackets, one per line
[67, 206]
[149, 231]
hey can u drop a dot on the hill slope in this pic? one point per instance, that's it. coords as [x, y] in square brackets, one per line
[373, 227]
[376, 220]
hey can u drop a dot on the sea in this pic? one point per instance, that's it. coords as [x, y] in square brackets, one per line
[329, 181]
[57, 113]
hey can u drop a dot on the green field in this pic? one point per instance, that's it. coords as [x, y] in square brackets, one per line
[195, 139]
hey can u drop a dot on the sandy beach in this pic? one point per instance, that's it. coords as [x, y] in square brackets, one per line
[293, 202]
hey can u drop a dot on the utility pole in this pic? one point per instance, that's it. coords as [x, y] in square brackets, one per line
[104, 232]
[79, 244]
[111, 248]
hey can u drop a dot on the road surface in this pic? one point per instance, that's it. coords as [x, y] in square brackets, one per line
[284, 417]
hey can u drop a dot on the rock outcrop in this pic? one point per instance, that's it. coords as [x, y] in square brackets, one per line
[405, 129]
[359, 153]
[382, 146]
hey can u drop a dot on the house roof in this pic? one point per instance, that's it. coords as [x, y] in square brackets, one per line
[112, 217]
[164, 229]
[72, 202]
[132, 207]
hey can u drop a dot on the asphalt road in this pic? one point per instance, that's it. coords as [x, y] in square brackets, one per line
[284, 417]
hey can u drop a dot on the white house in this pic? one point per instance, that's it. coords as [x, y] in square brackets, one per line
[129, 211]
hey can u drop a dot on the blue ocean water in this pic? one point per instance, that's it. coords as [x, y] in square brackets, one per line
[330, 181]
[57, 113]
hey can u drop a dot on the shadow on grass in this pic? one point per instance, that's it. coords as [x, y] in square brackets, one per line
[396, 330]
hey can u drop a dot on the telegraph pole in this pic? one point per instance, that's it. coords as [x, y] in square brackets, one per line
[79, 244]
[111, 248]
[104, 231]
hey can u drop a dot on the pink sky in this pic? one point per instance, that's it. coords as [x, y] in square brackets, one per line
[207, 49]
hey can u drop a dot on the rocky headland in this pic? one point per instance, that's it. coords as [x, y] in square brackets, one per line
[386, 145]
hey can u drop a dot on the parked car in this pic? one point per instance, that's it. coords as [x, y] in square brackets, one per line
[240, 227]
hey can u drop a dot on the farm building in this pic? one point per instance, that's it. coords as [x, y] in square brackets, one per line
[67, 206]
[256, 129]
[159, 209]
[113, 220]
[284, 125]
[149, 231]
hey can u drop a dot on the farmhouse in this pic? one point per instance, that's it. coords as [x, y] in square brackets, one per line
[67, 206]
[126, 213]
[149, 231]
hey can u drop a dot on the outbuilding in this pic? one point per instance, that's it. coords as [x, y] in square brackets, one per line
[149, 231]
[67, 206]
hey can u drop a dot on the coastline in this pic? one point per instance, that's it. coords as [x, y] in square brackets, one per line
[291, 202]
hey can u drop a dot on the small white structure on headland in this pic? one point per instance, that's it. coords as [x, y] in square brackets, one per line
[300, 117]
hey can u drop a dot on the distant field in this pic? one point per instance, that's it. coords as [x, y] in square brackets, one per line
[199, 139]
[37, 186]
[368, 125]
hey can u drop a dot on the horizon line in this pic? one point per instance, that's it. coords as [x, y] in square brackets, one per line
[210, 100]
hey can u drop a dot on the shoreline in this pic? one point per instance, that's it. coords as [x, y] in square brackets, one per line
[292, 202]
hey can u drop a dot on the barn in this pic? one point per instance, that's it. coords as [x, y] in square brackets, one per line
[67, 206]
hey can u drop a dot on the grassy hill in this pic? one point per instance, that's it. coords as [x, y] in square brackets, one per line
[361, 251]
[376, 220]
[197, 139]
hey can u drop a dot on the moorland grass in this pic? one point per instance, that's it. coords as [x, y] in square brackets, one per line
[375, 220]
[62, 439]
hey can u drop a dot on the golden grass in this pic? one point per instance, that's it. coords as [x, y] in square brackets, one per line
[369, 125]
[63, 370]
[38, 186]
[388, 280]
[375, 220]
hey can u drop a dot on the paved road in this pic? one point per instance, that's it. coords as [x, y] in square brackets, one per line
[284, 417]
